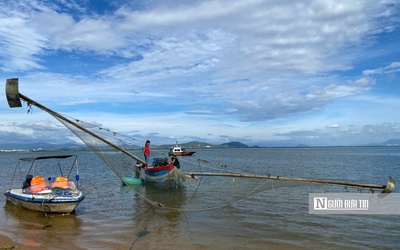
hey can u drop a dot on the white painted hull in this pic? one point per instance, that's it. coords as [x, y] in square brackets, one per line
[47, 202]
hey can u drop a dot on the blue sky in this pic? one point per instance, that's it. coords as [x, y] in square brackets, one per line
[321, 73]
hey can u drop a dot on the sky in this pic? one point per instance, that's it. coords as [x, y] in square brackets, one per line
[261, 72]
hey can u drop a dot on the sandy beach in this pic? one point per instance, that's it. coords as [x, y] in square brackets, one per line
[7, 243]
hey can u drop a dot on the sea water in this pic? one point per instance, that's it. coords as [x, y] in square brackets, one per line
[114, 217]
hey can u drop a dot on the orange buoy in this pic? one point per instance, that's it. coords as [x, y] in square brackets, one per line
[61, 182]
[37, 184]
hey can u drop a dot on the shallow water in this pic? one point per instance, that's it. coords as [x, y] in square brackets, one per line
[113, 217]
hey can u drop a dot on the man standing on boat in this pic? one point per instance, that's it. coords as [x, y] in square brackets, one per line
[146, 152]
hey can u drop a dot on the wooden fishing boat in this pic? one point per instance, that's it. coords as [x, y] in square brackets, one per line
[179, 151]
[57, 194]
[160, 172]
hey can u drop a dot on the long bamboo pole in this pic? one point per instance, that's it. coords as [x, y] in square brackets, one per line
[386, 188]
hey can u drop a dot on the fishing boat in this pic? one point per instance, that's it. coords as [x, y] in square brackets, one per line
[199, 187]
[160, 172]
[164, 174]
[179, 151]
[56, 194]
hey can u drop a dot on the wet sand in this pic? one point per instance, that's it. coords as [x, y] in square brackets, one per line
[7, 243]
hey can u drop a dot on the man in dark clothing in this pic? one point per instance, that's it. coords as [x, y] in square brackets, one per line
[174, 160]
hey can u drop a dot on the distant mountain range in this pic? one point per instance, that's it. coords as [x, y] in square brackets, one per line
[193, 144]
[392, 142]
[234, 144]
[41, 146]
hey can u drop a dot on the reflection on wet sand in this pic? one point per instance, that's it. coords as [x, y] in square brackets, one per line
[165, 198]
[156, 227]
[36, 229]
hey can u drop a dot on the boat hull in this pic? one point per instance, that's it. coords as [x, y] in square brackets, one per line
[179, 151]
[164, 176]
[154, 174]
[47, 202]
[189, 153]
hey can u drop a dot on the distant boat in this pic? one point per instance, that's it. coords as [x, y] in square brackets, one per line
[57, 194]
[179, 151]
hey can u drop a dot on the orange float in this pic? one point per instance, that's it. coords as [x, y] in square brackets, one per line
[61, 182]
[37, 184]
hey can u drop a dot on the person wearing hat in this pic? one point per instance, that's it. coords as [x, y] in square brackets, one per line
[174, 160]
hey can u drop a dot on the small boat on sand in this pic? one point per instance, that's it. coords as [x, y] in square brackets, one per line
[56, 194]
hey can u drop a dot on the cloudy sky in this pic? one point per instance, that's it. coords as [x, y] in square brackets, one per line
[262, 72]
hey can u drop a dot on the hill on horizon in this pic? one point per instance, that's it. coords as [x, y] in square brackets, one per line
[193, 144]
[235, 144]
[392, 142]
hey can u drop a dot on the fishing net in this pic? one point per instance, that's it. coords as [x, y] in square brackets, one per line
[198, 187]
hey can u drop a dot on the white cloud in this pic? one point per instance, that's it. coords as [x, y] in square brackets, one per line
[333, 126]
[394, 67]
[364, 81]
[242, 63]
